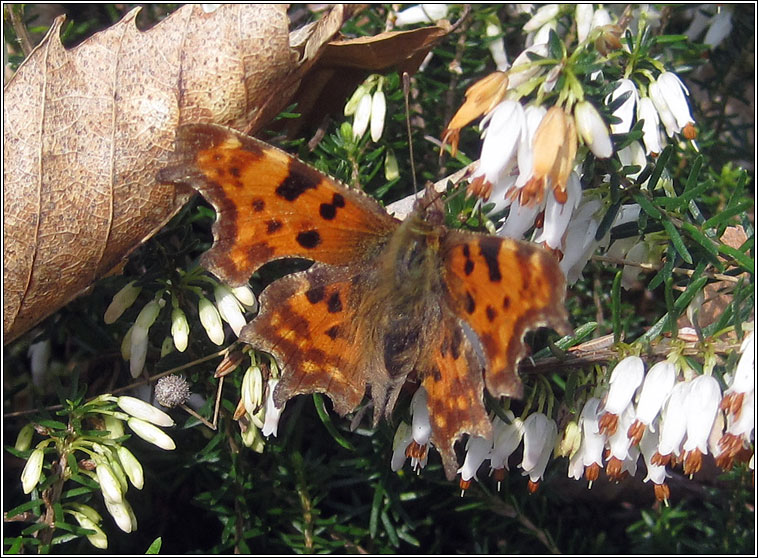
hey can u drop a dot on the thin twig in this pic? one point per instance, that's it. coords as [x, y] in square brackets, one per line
[656, 267]
[132, 385]
[20, 29]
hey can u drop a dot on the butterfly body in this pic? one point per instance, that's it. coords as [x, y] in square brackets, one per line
[385, 301]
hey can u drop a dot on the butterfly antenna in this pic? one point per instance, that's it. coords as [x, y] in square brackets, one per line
[406, 95]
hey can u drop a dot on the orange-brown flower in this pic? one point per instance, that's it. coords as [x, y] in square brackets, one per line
[481, 98]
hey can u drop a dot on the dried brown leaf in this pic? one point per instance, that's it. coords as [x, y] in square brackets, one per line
[86, 129]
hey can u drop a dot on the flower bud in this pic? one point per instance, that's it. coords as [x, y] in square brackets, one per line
[148, 314]
[122, 300]
[126, 344]
[352, 104]
[211, 321]
[24, 438]
[592, 130]
[543, 15]
[151, 433]
[229, 308]
[122, 514]
[584, 14]
[114, 426]
[32, 470]
[109, 483]
[179, 329]
[137, 350]
[378, 112]
[142, 410]
[571, 440]
[403, 437]
[497, 46]
[245, 295]
[391, 169]
[421, 13]
[132, 467]
[252, 389]
[477, 449]
[98, 539]
[362, 117]
[88, 511]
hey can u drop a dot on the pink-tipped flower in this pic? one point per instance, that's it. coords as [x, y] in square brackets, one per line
[501, 140]
[656, 473]
[701, 406]
[593, 442]
[558, 215]
[625, 379]
[507, 437]
[540, 433]
[477, 450]
[401, 441]
[669, 96]
[421, 427]
[659, 382]
[673, 425]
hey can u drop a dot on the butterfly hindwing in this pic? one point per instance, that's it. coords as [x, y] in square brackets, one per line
[502, 288]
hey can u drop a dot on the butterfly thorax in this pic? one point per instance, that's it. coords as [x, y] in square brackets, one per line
[410, 286]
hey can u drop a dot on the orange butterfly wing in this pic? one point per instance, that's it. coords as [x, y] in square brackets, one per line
[266, 203]
[502, 288]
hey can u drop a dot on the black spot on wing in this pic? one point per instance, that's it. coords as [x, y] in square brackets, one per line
[334, 304]
[489, 247]
[300, 180]
[315, 295]
[309, 239]
[470, 304]
[333, 332]
[258, 205]
[491, 313]
[273, 225]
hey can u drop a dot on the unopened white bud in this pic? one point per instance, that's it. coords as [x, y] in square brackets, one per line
[122, 300]
[211, 321]
[151, 434]
[142, 410]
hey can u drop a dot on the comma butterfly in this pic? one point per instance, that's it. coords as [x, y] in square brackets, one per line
[385, 301]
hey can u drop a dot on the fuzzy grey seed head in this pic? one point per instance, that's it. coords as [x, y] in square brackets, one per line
[171, 391]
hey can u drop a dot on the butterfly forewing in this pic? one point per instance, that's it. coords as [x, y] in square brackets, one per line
[270, 205]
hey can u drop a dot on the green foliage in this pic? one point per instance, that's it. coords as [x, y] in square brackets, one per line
[325, 485]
